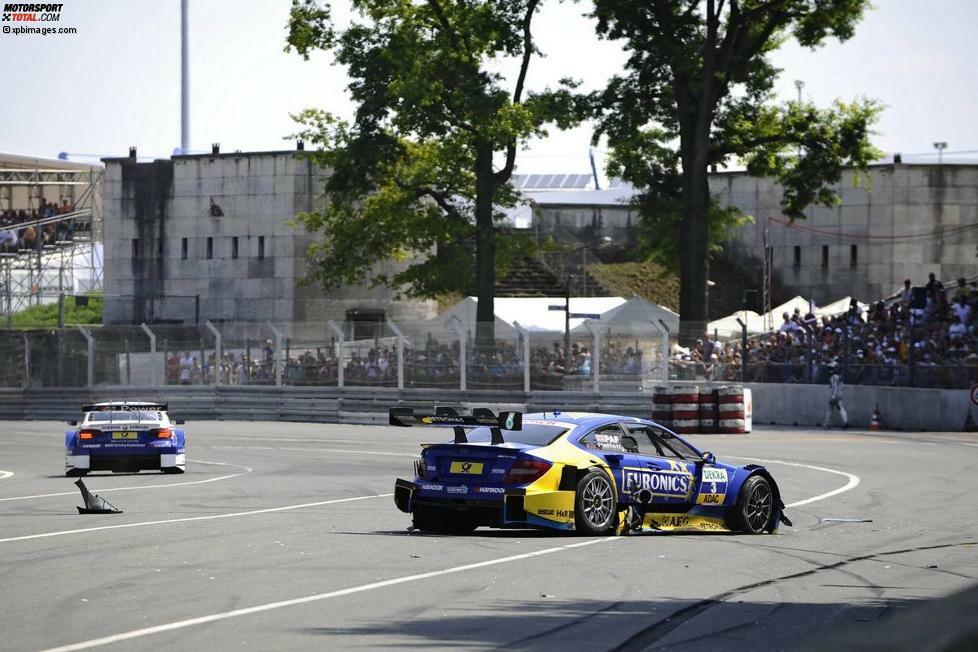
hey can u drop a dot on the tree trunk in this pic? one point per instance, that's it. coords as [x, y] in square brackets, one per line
[485, 251]
[693, 253]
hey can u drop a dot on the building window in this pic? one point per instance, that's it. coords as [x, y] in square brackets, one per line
[797, 256]
[367, 323]
[261, 247]
[234, 247]
[183, 248]
[853, 255]
[135, 248]
[210, 248]
[825, 256]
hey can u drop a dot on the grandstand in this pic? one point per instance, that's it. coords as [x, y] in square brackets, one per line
[50, 231]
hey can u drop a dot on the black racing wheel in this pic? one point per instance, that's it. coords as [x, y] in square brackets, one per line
[754, 512]
[594, 504]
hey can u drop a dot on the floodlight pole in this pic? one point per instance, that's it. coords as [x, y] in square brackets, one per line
[184, 79]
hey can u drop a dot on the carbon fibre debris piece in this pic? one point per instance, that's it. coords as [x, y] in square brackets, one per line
[94, 504]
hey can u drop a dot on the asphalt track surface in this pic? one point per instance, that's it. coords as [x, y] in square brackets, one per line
[285, 536]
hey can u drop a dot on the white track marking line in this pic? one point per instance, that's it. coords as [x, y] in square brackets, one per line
[188, 519]
[325, 450]
[5, 474]
[854, 480]
[190, 622]
[181, 624]
[248, 469]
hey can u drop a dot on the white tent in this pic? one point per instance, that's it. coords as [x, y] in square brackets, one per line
[533, 314]
[839, 307]
[636, 314]
[727, 327]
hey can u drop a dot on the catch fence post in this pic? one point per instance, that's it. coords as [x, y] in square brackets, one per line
[400, 353]
[277, 358]
[90, 380]
[526, 356]
[340, 351]
[462, 366]
[216, 367]
[595, 355]
[152, 356]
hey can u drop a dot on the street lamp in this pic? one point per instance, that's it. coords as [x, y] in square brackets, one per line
[567, 293]
[799, 84]
[940, 147]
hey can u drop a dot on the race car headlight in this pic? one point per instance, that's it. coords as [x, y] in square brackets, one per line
[525, 471]
[87, 434]
[164, 433]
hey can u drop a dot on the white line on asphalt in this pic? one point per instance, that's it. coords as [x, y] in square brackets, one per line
[5, 474]
[325, 450]
[852, 484]
[180, 624]
[188, 519]
[248, 469]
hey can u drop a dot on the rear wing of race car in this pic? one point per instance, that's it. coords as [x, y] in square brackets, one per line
[448, 417]
[124, 407]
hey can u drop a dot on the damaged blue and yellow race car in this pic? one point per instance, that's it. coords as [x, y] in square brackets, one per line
[594, 474]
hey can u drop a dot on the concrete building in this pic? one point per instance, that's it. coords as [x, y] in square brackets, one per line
[903, 221]
[206, 237]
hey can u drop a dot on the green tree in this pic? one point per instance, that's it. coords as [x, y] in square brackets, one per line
[423, 169]
[697, 91]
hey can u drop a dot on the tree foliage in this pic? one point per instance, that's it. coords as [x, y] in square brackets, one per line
[421, 174]
[697, 92]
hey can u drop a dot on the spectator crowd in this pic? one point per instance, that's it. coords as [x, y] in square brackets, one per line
[923, 336]
[19, 231]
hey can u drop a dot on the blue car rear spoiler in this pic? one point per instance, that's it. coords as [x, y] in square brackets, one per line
[449, 417]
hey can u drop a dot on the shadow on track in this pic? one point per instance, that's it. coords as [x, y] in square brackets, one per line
[595, 624]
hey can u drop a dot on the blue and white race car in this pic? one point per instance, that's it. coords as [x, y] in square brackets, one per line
[126, 436]
[595, 474]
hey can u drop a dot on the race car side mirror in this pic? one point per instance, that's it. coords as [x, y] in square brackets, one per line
[72, 422]
[630, 443]
[708, 458]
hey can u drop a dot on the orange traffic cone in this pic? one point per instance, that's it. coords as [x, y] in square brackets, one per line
[876, 422]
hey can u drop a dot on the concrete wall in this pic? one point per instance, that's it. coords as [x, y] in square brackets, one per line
[895, 200]
[165, 206]
[802, 405]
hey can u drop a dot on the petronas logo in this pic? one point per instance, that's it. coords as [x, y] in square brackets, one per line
[509, 421]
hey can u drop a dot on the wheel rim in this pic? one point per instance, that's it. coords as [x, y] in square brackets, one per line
[597, 501]
[759, 505]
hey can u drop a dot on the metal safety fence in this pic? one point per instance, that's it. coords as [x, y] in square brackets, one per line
[446, 354]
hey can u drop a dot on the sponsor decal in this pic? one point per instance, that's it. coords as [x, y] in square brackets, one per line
[457, 489]
[559, 513]
[662, 483]
[498, 471]
[710, 499]
[509, 421]
[468, 468]
[490, 490]
[714, 475]
[432, 487]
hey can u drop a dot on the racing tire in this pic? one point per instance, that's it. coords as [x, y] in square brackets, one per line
[435, 521]
[595, 506]
[755, 512]
[76, 473]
